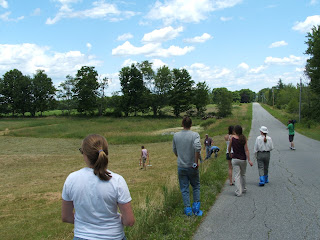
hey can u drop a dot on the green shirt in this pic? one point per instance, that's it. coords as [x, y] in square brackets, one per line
[291, 129]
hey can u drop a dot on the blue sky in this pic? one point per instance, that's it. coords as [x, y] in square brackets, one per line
[227, 43]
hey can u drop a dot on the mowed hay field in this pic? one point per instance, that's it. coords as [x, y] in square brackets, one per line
[37, 155]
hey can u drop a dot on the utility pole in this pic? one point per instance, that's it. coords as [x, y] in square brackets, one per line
[272, 97]
[300, 100]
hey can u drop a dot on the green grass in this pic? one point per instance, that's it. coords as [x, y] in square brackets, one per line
[306, 127]
[34, 168]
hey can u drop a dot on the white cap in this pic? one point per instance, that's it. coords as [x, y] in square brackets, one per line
[264, 129]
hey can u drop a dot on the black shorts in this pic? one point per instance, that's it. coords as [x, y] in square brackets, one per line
[291, 138]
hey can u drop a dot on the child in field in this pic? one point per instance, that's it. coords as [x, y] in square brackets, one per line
[144, 157]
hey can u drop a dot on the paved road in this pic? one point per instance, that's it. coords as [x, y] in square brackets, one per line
[286, 208]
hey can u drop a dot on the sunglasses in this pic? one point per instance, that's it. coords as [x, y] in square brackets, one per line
[81, 151]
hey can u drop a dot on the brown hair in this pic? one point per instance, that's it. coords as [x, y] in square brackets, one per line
[238, 131]
[265, 137]
[95, 147]
[186, 122]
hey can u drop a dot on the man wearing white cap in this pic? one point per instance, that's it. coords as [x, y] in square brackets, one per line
[262, 149]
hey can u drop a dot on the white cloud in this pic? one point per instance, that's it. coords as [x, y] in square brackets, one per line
[100, 9]
[125, 37]
[199, 39]
[258, 69]
[291, 60]
[5, 17]
[313, 2]
[150, 50]
[162, 35]
[128, 63]
[89, 46]
[36, 12]
[307, 25]
[225, 19]
[187, 10]
[157, 63]
[278, 44]
[4, 4]
[244, 66]
[300, 69]
[29, 57]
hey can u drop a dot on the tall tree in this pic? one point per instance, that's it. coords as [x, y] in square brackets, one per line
[65, 93]
[201, 97]
[134, 92]
[103, 84]
[223, 98]
[313, 63]
[162, 86]
[180, 95]
[86, 89]
[16, 91]
[43, 92]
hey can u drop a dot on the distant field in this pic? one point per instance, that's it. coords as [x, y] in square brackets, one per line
[38, 154]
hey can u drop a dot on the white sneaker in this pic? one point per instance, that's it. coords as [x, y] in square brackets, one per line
[293, 148]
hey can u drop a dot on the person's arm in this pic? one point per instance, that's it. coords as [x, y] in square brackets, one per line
[127, 217]
[248, 154]
[229, 148]
[226, 137]
[67, 214]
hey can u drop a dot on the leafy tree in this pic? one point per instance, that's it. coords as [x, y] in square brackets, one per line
[201, 97]
[223, 98]
[180, 95]
[43, 92]
[16, 92]
[115, 102]
[312, 69]
[236, 97]
[134, 92]
[103, 84]
[3, 103]
[162, 86]
[65, 93]
[247, 95]
[86, 89]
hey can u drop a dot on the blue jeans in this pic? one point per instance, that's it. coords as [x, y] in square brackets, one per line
[189, 176]
[208, 152]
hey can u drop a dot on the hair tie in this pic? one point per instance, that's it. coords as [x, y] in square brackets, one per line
[100, 150]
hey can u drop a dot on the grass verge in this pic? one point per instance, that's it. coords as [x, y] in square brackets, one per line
[307, 127]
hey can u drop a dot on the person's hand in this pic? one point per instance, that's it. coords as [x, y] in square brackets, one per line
[251, 163]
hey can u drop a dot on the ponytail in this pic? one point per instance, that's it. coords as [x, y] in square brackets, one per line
[95, 147]
[265, 137]
[100, 166]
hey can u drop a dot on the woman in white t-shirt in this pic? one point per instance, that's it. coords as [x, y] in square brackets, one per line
[95, 194]
[262, 148]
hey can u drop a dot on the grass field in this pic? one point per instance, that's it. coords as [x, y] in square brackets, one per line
[38, 154]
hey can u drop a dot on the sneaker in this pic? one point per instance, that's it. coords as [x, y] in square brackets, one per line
[293, 148]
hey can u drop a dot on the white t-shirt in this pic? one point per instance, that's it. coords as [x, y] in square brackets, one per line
[95, 202]
[261, 146]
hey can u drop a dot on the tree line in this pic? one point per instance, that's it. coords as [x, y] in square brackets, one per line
[142, 90]
[288, 97]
